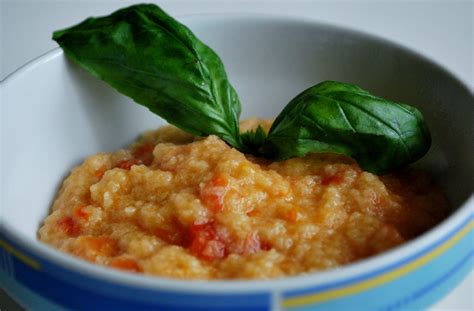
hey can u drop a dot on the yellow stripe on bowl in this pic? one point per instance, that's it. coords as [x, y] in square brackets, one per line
[25, 259]
[381, 279]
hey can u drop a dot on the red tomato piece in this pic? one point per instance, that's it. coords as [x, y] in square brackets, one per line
[253, 213]
[173, 236]
[251, 243]
[333, 179]
[265, 246]
[127, 164]
[144, 153]
[100, 172]
[126, 264]
[214, 249]
[69, 226]
[212, 194]
[99, 246]
[205, 242]
[80, 213]
[292, 215]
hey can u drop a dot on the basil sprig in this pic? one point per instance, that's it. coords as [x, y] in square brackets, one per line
[147, 55]
[158, 62]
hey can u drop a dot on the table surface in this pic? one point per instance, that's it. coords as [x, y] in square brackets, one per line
[441, 30]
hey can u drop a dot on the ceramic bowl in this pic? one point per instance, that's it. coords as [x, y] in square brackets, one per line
[54, 115]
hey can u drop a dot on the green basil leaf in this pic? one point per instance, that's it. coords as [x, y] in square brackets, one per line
[379, 134]
[147, 55]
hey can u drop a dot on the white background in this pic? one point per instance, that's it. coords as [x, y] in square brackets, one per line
[441, 30]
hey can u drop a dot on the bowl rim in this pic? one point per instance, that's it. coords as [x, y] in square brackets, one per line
[10, 77]
[348, 272]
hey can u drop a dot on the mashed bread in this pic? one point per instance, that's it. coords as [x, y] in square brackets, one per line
[194, 208]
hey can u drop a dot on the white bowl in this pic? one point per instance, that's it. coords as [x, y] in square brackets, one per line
[54, 115]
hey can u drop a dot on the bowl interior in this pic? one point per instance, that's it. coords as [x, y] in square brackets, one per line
[54, 114]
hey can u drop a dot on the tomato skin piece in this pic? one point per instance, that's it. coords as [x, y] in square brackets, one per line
[127, 164]
[332, 180]
[92, 247]
[99, 173]
[254, 212]
[208, 245]
[292, 215]
[144, 153]
[101, 246]
[126, 264]
[202, 234]
[212, 194]
[69, 226]
[265, 246]
[251, 243]
[214, 249]
[80, 213]
[171, 236]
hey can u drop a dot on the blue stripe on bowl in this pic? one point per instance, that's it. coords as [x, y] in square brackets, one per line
[416, 289]
[26, 297]
[71, 289]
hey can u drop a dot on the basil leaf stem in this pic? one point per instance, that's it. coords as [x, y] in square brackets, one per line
[253, 139]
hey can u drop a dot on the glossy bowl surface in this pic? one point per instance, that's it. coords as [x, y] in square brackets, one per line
[54, 115]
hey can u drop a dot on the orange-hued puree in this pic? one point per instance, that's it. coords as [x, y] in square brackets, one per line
[177, 206]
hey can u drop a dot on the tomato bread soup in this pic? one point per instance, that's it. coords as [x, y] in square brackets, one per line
[177, 206]
[221, 206]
